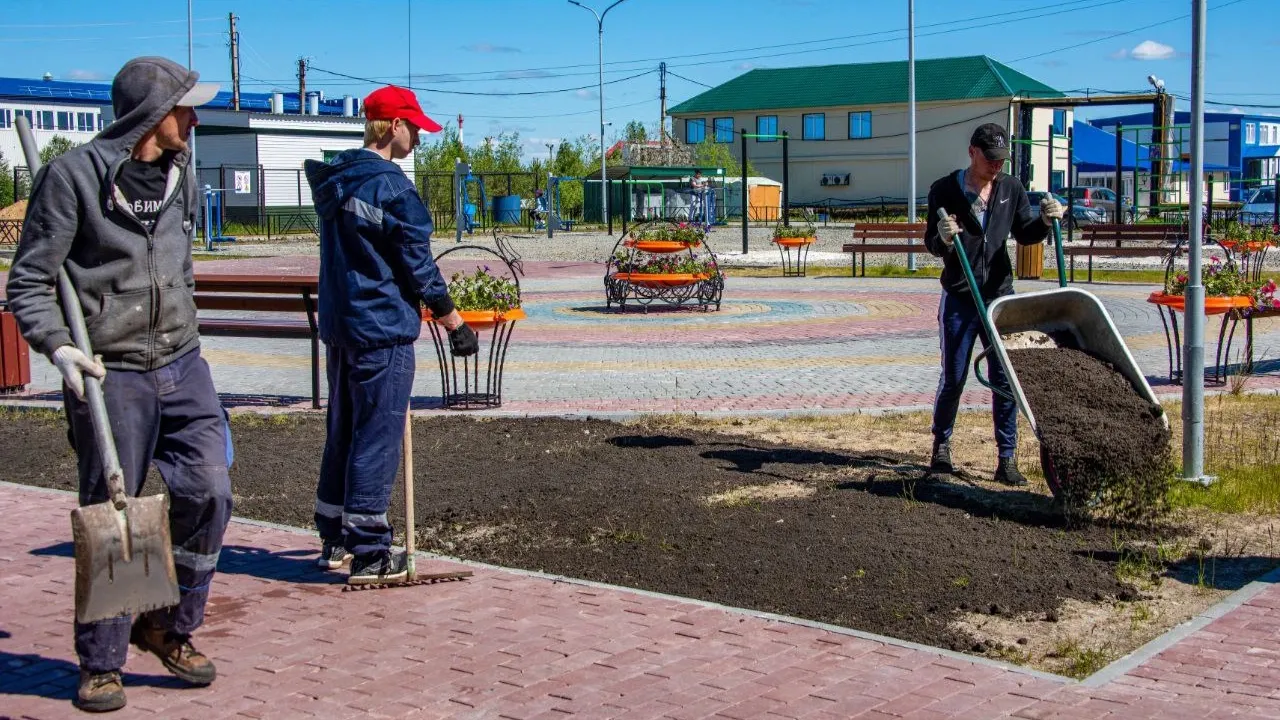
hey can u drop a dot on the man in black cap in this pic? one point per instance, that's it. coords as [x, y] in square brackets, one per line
[984, 208]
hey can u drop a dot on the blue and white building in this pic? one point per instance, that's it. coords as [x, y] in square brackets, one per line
[1246, 147]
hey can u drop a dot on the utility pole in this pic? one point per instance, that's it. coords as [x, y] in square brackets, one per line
[302, 86]
[662, 95]
[1193, 339]
[911, 125]
[235, 65]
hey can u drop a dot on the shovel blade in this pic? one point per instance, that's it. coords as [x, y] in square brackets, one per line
[124, 559]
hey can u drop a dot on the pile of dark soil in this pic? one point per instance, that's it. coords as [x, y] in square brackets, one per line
[836, 537]
[1108, 446]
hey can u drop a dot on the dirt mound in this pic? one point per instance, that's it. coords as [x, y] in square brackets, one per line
[16, 211]
[1108, 445]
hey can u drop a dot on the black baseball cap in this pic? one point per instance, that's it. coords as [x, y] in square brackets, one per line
[992, 140]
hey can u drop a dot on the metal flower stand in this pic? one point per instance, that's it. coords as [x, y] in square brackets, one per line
[475, 383]
[702, 289]
[795, 255]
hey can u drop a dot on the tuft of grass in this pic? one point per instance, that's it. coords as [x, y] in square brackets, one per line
[961, 582]
[1080, 661]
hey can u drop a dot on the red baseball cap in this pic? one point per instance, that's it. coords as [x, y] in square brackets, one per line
[393, 102]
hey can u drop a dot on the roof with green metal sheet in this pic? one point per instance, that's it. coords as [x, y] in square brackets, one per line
[959, 78]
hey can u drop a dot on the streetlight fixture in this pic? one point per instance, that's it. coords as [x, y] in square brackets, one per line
[604, 196]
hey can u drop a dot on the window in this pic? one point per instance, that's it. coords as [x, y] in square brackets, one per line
[695, 131]
[1060, 122]
[99, 122]
[84, 122]
[815, 126]
[44, 119]
[724, 130]
[64, 120]
[766, 125]
[859, 125]
[24, 113]
[4, 118]
[329, 155]
[1251, 133]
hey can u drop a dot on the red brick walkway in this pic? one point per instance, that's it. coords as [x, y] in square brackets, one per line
[289, 644]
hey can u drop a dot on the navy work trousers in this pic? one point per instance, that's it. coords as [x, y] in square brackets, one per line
[959, 327]
[172, 417]
[368, 397]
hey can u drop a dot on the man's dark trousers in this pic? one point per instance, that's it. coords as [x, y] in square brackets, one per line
[369, 392]
[959, 327]
[172, 417]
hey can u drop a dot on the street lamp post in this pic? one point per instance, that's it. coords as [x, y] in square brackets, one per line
[604, 195]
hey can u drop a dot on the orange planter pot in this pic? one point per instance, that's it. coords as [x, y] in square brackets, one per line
[795, 242]
[483, 319]
[1216, 305]
[659, 280]
[660, 246]
[1250, 246]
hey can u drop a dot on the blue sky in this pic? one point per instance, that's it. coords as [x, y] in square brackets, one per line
[524, 46]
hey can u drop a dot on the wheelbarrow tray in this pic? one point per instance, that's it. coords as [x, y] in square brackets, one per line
[1063, 311]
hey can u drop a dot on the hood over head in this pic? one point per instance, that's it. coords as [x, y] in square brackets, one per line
[144, 91]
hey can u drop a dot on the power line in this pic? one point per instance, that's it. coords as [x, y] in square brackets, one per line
[112, 39]
[107, 24]
[490, 94]
[695, 82]
[557, 115]
[1119, 34]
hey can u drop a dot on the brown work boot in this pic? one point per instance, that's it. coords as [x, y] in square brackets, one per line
[99, 692]
[175, 651]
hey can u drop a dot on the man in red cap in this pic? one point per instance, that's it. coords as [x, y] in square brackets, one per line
[376, 268]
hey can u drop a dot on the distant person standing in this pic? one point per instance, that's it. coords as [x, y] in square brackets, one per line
[376, 268]
[985, 207]
[699, 184]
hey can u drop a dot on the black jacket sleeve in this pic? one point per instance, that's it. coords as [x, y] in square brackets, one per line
[932, 240]
[1028, 227]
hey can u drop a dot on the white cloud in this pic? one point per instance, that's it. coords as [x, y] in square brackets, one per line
[85, 75]
[527, 74]
[488, 48]
[743, 66]
[1119, 54]
[1152, 50]
[585, 94]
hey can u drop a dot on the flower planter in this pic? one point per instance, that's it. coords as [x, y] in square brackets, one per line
[1215, 305]
[660, 280]
[643, 271]
[1229, 306]
[475, 382]
[795, 254]
[660, 246]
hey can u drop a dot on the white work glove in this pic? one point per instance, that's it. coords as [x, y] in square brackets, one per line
[1050, 209]
[948, 229]
[73, 364]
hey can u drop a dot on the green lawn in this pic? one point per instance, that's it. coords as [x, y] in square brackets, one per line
[1242, 448]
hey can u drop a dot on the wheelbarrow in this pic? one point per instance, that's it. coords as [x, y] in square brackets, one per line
[1048, 318]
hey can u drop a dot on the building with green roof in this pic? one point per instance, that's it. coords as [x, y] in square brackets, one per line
[847, 124]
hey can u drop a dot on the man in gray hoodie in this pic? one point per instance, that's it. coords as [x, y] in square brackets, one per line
[117, 213]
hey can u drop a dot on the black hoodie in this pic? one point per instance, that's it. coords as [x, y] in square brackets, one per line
[1008, 213]
[135, 286]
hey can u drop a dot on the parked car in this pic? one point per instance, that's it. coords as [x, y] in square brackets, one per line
[1260, 207]
[1080, 215]
[1101, 199]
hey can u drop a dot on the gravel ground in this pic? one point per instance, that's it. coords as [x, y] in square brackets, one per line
[725, 241]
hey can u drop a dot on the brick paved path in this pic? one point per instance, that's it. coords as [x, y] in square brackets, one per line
[778, 344]
[289, 644]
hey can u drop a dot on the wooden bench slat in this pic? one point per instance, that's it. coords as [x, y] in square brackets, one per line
[255, 328]
[264, 303]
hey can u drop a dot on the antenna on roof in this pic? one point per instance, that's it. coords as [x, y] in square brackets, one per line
[48, 76]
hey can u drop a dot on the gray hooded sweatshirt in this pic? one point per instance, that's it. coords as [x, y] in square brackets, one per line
[135, 286]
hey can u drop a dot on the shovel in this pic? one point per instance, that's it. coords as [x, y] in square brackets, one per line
[124, 557]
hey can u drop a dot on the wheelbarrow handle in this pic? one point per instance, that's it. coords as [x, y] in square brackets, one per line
[1057, 244]
[982, 379]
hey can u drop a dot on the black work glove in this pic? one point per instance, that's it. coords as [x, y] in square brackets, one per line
[463, 341]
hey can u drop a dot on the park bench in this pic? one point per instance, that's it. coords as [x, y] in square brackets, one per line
[885, 238]
[1139, 240]
[263, 293]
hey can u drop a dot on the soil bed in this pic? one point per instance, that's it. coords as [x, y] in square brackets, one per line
[840, 537]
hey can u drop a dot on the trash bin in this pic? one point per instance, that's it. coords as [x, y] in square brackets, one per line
[1030, 261]
[15, 357]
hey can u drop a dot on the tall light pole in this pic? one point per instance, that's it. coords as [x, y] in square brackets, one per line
[604, 195]
[911, 125]
[1193, 358]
